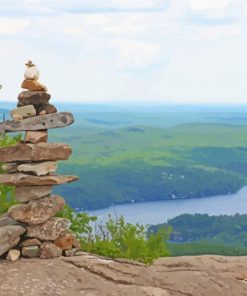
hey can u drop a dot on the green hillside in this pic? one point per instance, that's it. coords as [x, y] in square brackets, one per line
[202, 234]
[140, 163]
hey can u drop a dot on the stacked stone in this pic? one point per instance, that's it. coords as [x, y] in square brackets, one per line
[35, 100]
[31, 227]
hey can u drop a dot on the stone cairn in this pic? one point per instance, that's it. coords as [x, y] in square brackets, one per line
[30, 228]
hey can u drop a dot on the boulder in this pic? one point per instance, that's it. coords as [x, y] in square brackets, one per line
[46, 109]
[49, 251]
[19, 179]
[39, 168]
[50, 230]
[7, 220]
[30, 242]
[35, 152]
[25, 194]
[24, 112]
[31, 251]
[66, 241]
[10, 237]
[33, 97]
[56, 120]
[33, 85]
[37, 211]
[13, 255]
[36, 136]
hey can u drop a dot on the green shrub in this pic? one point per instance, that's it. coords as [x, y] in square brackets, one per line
[118, 239]
[7, 198]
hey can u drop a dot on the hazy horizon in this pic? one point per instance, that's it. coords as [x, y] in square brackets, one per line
[179, 51]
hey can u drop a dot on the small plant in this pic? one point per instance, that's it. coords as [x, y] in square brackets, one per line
[6, 192]
[117, 238]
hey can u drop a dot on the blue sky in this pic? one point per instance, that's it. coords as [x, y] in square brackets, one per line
[142, 51]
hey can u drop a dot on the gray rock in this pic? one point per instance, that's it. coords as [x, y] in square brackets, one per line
[25, 194]
[49, 251]
[24, 112]
[10, 237]
[50, 230]
[33, 97]
[36, 123]
[31, 251]
[38, 168]
[37, 211]
[30, 242]
[7, 220]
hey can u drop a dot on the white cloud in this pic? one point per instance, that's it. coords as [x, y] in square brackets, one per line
[131, 24]
[10, 25]
[74, 31]
[135, 54]
[132, 4]
[97, 19]
[213, 33]
[208, 4]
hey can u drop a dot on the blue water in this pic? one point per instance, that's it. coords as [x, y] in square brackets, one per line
[160, 211]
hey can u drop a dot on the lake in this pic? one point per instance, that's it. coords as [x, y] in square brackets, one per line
[160, 211]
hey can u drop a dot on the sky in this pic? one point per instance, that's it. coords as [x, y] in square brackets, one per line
[127, 51]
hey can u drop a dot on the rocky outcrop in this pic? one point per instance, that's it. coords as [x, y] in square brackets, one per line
[91, 275]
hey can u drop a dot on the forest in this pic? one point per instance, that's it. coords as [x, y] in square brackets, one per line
[204, 234]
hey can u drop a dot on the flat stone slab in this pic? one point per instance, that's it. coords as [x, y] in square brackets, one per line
[35, 152]
[19, 179]
[36, 168]
[25, 194]
[40, 122]
[39, 168]
[37, 211]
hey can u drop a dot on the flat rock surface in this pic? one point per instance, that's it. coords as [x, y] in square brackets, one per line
[41, 122]
[35, 152]
[91, 276]
[19, 179]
